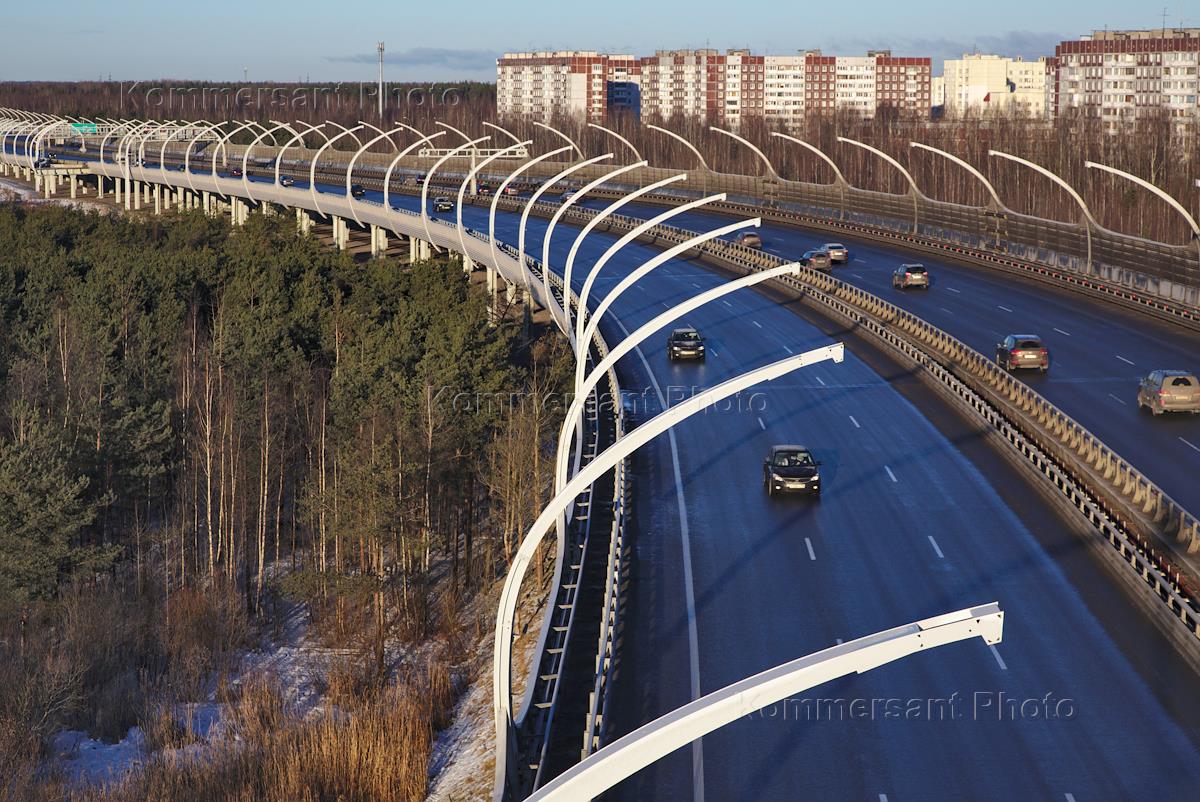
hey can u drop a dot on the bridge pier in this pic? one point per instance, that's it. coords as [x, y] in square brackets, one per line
[74, 187]
[379, 243]
[158, 199]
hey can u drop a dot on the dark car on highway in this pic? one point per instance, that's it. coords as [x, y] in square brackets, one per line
[286, 181]
[791, 469]
[910, 276]
[1022, 351]
[357, 190]
[443, 205]
[685, 343]
[817, 260]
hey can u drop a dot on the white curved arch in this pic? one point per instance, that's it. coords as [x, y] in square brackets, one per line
[220, 149]
[841, 179]
[506, 609]
[496, 199]
[560, 135]
[684, 142]
[379, 130]
[912, 184]
[754, 148]
[1144, 184]
[346, 130]
[309, 128]
[429, 180]
[504, 131]
[637, 156]
[162, 152]
[450, 127]
[359, 152]
[246, 183]
[187, 153]
[141, 150]
[596, 219]
[558, 213]
[312, 167]
[1089, 221]
[462, 188]
[627, 238]
[387, 177]
[533, 199]
[126, 140]
[970, 168]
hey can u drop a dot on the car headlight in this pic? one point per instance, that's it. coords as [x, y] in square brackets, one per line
[776, 477]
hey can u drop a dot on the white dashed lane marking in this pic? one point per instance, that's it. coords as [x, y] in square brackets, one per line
[820, 381]
[1064, 333]
[855, 422]
[1123, 359]
[936, 548]
[756, 323]
[789, 350]
[762, 425]
[1005, 308]
[890, 474]
[1189, 444]
[811, 554]
[951, 289]
[1115, 398]
[999, 659]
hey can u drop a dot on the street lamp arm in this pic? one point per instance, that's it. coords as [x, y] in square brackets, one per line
[637, 156]
[754, 148]
[970, 168]
[684, 142]
[605, 768]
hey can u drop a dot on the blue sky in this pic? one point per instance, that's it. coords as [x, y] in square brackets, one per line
[306, 39]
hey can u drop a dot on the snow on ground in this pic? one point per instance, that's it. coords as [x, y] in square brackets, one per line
[11, 190]
[463, 760]
[294, 663]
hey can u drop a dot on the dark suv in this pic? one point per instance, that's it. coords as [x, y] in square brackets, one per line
[789, 468]
[685, 343]
[357, 190]
[1022, 351]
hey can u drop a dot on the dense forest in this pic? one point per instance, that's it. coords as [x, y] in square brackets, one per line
[201, 425]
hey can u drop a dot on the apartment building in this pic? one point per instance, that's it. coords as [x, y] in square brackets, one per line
[578, 83]
[979, 83]
[1121, 76]
[724, 88]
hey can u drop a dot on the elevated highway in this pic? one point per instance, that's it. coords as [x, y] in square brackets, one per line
[921, 513]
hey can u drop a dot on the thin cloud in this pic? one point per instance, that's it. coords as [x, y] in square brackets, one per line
[442, 58]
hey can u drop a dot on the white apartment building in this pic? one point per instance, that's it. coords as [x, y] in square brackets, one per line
[543, 84]
[979, 83]
[1120, 76]
[783, 92]
[722, 88]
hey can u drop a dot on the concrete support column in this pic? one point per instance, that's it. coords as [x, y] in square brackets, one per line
[207, 204]
[412, 250]
[137, 195]
[46, 186]
[74, 187]
[426, 250]
[158, 201]
[468, 264]
[99, 187]
[37, 182]
[233, 212]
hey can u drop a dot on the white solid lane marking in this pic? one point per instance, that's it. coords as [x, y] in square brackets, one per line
[756, 323]
[1114, 398]
[820, 381]
[1005, 308]
[1189, 444]
[999, 659]
[811, 554]
[954, 290]
[936, 548]
[1064, 333]
[855, 422]
[1123, 359]
[689, 587]
[889, 471]
[762, 425]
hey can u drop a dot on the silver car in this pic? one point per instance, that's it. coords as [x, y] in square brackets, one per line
[838, 254]
[1169, 391]
[817, 260]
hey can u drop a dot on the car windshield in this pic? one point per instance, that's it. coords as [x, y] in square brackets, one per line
[689, 336]
[1029, 344]
[792, 459]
